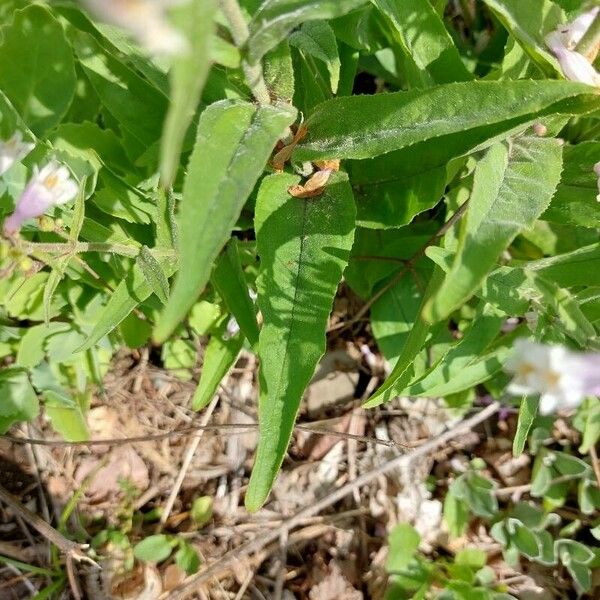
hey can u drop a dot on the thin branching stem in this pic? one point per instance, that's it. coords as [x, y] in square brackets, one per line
[52, 535]
[81, 247]
[408, 267]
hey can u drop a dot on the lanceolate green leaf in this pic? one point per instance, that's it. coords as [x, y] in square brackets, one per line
[366, 126]
[513, 186]
[234, 142]
[228, 278]
[188, 74]
[276, 18]
[19, 401]
[514, 289]
[219, 357]
[136, 105]
[393, 315]
[570, 317]
[10, 119]
[589, 418]
[529, 22]
[132, 290]
[304, 247]
[463, 361]
[575, 198]
[317, 39]
[580, 267]
[279, 73]
[527, 412]
[36, 67]
[404, 370]
[66, 415]
[154, 274]
[423, 37]
[392, 189]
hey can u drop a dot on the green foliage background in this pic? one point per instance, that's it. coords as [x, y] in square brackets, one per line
[181, 214]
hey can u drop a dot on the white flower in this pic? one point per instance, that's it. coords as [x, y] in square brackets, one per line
[574, 31]
[563, 41]
[597, 171]
[146, 21]
[369, 357]
[561, 377]
[13, 150]
[232, 329]
[49, 187]
[575, 66]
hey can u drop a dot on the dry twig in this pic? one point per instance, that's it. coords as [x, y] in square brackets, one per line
[232, 557]
[71, 550]
[185, 465]
[198, 430]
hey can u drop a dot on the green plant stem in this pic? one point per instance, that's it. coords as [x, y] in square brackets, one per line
[408, 266]
[79, 247]
[590, 42]
[240, 33]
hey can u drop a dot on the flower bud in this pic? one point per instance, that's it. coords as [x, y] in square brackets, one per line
[45, 223]
[25, 264]
[478, 463]
[576, 67]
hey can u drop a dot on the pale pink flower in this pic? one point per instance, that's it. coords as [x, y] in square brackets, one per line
[561, 377]
[574, 31]
[49, 187]
[574, 66]
[597, 171]
[146, 20]
[13, 150]
[232, 329]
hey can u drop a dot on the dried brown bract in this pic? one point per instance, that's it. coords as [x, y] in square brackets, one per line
[279, 160]
[315, 186]
[333, 164]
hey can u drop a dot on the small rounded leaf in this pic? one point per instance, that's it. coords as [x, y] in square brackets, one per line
[154, 548]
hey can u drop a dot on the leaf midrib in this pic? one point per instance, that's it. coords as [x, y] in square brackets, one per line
[291, 329]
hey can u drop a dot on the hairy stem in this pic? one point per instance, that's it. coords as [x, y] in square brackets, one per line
[240, 34]
[79, 247]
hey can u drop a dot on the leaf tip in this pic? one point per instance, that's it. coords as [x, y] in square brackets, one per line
[165, 325]
[436, 309]
[254, 499]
